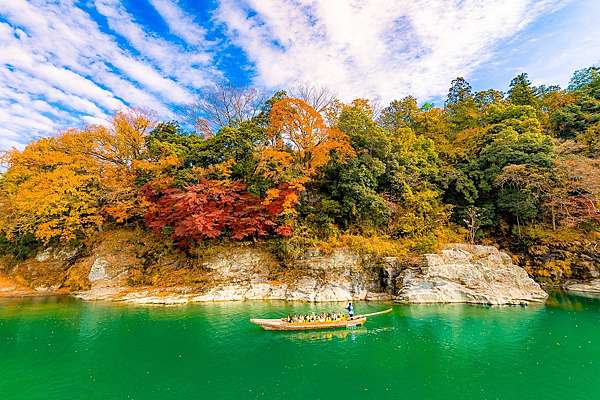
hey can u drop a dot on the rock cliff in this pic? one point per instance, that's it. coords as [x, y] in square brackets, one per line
[252, 273]
[592, 286]
[468, 274]
[124, 267]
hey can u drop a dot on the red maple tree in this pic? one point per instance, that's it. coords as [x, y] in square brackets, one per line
[215, 208]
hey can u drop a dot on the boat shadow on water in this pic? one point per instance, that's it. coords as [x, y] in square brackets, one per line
[340, 334]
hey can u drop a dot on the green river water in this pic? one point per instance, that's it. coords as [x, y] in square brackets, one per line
[60, 348]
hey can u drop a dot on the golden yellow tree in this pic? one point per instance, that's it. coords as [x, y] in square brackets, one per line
[300, 139]
[67, 186]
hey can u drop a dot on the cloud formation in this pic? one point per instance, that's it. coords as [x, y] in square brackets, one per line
[59, 67]
[373, 48]
[68, 63]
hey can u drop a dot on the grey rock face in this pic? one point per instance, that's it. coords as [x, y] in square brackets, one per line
[340, 276]
[468, 274]
[592, 286]
[59, 254]
[98, 270]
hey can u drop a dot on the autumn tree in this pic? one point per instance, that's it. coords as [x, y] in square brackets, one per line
[50, 193]
[590, 139]
[215, 208]
[574, 194]
[298, 138]
[66, 187]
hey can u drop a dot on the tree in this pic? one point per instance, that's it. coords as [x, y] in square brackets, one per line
[581, 111]
[319, 98]
[583, 77]
[486, 98]
[472, 222]
[223, 105]
[460, 106]
[399, 114]
[215, 208]
[591, 140]
[521, 189]
[460, 91]
[521, 92]
[298, 135]
[574, 195]
[68, 186]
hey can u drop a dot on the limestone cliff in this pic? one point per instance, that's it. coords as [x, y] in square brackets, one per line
[468, 274]
[125, 267]
[247, 273]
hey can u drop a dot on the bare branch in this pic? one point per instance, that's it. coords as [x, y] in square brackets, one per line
[223, 105]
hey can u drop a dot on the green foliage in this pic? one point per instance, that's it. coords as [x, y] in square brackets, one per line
[21, 247]
[583, 77]
[521, 92]
[386, 182]
[349, 193]
[460, 105]
[576, 117]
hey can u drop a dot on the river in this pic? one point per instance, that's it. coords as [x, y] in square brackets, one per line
[61, 348]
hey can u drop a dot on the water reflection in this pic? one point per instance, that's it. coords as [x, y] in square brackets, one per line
[574, 302]
[337, 334]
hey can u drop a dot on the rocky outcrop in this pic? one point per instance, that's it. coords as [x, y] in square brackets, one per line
[468, 274]
[592, 286]
[253, 274]
[128, 266]
[11, 288]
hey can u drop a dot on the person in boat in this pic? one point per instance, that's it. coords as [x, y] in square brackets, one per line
[350, 309]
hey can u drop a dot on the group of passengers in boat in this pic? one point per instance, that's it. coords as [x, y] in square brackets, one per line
[321, 317]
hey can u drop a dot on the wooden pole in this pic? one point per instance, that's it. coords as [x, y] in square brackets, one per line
[374, 313]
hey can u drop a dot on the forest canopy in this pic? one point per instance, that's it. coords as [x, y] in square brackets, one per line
[485, 165]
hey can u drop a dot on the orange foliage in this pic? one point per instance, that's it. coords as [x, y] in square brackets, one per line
[67, 186]
[300, 138]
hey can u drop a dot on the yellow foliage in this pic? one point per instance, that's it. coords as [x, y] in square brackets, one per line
[300, 139]
[67, 186]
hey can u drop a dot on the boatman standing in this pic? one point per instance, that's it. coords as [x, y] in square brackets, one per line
[350, 310]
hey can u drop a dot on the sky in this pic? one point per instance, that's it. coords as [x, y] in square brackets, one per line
[66, 63]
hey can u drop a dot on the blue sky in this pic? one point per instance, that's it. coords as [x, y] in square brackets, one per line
[70, 63]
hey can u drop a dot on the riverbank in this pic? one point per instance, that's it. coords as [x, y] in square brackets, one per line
[116, 269]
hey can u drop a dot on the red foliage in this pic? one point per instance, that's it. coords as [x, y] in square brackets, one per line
[213, 208]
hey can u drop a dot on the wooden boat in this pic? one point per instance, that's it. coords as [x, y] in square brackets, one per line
[281, 324]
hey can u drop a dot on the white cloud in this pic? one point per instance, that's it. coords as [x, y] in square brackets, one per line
[187, 68]
[63, 65]
[67, 70]
[180, 23]
[373, 48]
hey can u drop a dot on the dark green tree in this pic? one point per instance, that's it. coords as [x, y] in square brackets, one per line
[522, 92]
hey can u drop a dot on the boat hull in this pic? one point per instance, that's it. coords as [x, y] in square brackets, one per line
[280, 325]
